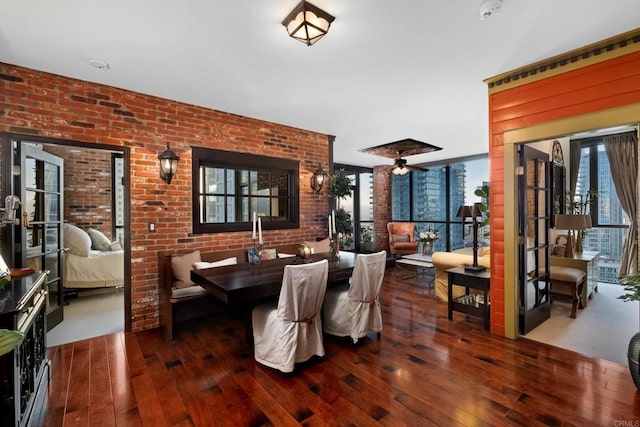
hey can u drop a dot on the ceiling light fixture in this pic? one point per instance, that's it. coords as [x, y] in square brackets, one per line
[307, 23]
[489, 7]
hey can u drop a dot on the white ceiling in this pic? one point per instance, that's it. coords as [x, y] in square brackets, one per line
[387, 70]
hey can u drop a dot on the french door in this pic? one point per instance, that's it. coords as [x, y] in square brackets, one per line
[533, 232]
[40, 185]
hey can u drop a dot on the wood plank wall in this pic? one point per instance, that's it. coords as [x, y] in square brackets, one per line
[605, 85]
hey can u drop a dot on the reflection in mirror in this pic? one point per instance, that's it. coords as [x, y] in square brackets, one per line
[229, 194]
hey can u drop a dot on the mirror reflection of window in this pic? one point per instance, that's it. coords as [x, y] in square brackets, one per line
[229, 194]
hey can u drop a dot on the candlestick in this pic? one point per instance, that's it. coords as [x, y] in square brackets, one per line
[333, 222]
[260, 242]
[253, 236]
[329, 221]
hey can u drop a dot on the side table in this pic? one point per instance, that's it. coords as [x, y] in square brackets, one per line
[467, 304]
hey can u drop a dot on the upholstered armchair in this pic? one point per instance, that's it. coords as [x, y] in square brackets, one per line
[402, 239]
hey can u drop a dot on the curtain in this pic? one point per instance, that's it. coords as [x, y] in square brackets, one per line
[575, 148]
[622, 152]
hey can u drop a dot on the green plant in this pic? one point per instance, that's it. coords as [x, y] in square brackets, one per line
[483, 205]
[631, 284]
[339, 185]
[344, 224]
[8, 340]
[579, 207]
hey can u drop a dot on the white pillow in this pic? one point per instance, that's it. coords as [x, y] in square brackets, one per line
[115, 246]
[227, 261]
[78, 242]
[99, 241]
[181, 267]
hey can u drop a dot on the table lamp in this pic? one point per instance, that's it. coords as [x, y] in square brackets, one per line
[573, 223]
[475, 213]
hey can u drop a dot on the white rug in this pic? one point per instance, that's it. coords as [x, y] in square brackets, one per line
[603, 329]
[89, 316]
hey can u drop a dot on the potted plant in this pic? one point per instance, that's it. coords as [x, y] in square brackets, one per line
[483, 205]
[631, 283]
[8, 338]
[579, 206]
[340, 188]
[427, 238]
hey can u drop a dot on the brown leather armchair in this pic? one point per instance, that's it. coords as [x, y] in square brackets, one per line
[402, 239]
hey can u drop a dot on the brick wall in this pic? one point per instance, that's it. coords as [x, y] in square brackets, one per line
[381, 206]
[87, 187]
[47, 105]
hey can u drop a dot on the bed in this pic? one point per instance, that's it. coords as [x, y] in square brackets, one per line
[101, 269]
[91, 260]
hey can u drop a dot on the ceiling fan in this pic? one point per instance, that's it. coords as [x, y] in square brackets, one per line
[400, 166]
[395, 150]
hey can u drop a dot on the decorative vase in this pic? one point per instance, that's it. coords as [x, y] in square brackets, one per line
[633, 357]
[427, 248]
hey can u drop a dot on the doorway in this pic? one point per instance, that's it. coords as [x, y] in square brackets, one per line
[605, 325]
[75, 207]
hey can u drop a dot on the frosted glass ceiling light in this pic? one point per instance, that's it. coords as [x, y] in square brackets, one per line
[307, 23]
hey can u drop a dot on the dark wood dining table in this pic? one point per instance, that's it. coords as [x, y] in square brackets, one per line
[249, 284]
[246, 285]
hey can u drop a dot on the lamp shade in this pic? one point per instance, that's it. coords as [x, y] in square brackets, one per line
[573, 222]
[399, 170]
[465, 211]
[307, 23]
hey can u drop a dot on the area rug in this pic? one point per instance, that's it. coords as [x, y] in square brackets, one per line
[603, 329]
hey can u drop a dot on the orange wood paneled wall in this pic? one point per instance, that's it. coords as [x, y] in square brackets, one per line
[601, 86]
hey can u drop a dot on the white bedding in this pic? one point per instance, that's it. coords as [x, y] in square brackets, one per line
[99, 270]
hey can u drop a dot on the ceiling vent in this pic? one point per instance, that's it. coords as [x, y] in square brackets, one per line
[489, 7]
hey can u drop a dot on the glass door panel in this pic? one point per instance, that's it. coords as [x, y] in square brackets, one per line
[535, 210]
[40, 185]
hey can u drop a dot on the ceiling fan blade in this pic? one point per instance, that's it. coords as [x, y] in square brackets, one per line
[416, 168]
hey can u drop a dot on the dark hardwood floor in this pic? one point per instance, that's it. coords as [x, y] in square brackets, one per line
[425, 370]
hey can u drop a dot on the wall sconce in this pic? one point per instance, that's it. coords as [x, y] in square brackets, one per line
[475, 213]
[168, 164]
[307, 23]
[317, 179]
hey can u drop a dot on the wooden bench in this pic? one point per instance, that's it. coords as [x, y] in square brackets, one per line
[567, 277]
[192, 302]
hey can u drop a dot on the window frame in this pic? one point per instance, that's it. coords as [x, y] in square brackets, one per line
[212, 158]
[450, 224]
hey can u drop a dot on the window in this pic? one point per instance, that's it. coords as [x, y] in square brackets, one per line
[609, 222]
[431, 199]
[360, 208]
[228, 187]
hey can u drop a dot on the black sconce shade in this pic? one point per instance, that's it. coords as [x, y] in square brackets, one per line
[317, 179]
[168, 164]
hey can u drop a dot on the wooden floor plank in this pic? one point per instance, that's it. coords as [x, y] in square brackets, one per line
[425, 370]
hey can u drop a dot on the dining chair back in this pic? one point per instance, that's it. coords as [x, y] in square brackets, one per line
[354, 310]
[290, 331]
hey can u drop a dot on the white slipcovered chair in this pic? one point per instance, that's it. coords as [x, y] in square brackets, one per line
[355, 310]
[290, 331]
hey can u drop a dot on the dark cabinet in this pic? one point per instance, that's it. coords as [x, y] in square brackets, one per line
[24, 372]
